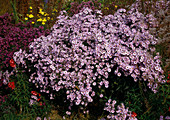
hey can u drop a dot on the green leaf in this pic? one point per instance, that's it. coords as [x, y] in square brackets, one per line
[117, 88]
[116, 83]
[102, 91]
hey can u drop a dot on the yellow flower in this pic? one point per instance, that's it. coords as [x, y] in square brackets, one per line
[40, 10]
[31, 16]
[26, 18]
[45, 14]
[51, 18]
[30, 7]
[115, 6]
[48, 18]
[39, 20]
[106, 8]
[27, 14]
[53, 14]
[30, 10]
[55, 10]
[42, 13]
[32, 22]
[44, 20]
[43, 23]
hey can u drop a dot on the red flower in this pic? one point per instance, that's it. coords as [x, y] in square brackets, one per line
[12, 65]
[133, 114]
[11, 85]
[169, 109]
[168, 81]
[38, 99]
[40, 103]
[39, 94]
[168, 76]
[34, 93]
[11, 61]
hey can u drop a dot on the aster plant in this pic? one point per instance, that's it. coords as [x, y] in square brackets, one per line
[82, 50]
[160, 11]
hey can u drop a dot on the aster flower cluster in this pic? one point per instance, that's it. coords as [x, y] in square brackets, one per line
[80, 52]
[151, 20]
[122, 112]
[160, 14]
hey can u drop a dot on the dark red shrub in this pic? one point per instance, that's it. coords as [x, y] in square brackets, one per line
[13, 37]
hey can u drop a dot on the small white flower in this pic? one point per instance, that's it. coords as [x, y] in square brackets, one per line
[156, 68]
[109, 70]
[119, 74]
[94, 83]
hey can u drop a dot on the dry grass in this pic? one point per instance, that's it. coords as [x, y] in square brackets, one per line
[5, 7]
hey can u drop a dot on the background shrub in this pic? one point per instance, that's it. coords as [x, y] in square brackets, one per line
[15, 36]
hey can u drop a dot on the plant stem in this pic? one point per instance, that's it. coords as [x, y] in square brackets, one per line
[20, 109]
[14, 11]
[141, 91]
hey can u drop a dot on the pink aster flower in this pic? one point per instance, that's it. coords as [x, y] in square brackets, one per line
[101, 95]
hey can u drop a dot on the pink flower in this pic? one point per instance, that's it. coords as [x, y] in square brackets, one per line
[68, 113]
[101, 95]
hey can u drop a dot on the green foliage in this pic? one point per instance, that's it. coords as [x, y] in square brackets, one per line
[19, 100]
